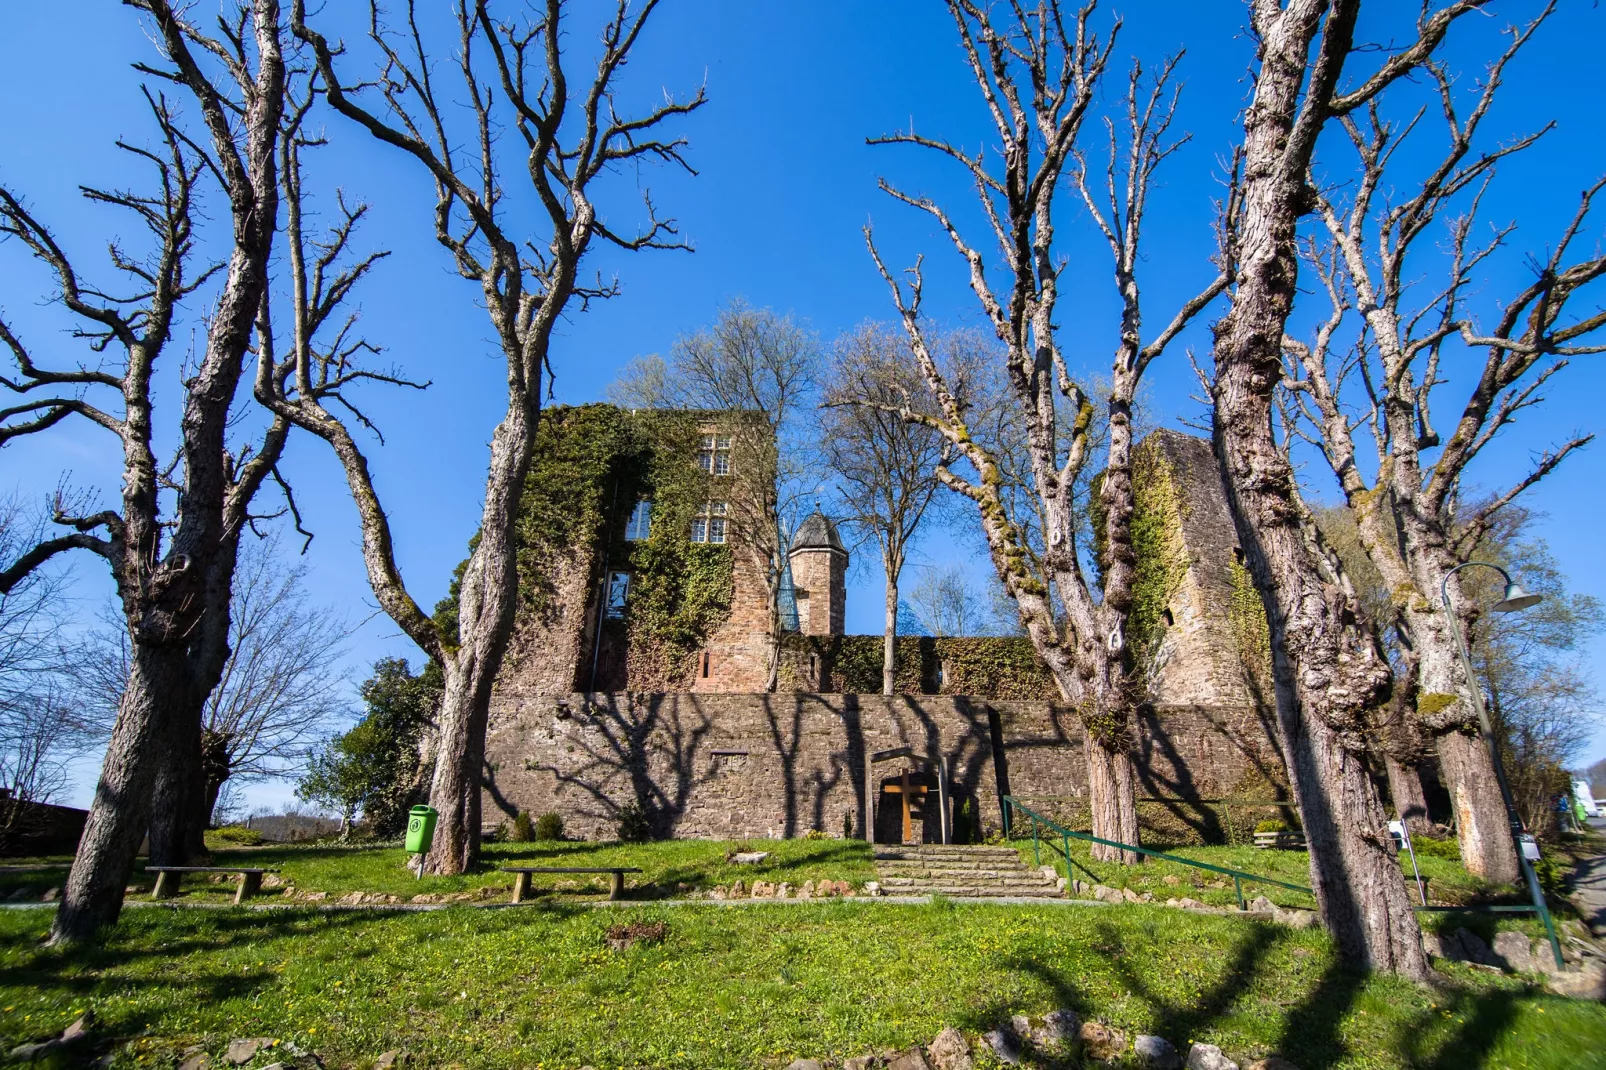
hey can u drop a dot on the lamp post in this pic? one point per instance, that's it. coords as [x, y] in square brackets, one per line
[1515, 599]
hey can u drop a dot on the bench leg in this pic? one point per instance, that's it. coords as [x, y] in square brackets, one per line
[616, 885]
[521, 887]
[250, 884]
[166, 886]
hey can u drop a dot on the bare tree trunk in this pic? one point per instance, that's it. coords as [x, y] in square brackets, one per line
[1465, 764]
[119, 815]
[889, 636]
[178, 801]
[1333, 670]
[1112, 791]
[1410, 801]
[489, 595]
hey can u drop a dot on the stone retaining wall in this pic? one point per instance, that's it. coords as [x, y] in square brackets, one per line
[729, 766]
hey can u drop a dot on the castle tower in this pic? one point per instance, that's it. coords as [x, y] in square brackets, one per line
[819, 574]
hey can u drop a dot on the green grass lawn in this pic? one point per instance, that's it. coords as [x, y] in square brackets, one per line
[539, 986]
[1447, 882]
[666, 866]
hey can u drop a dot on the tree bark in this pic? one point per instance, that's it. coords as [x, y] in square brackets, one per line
[119, 815]
[1112, 791]
[889, 638]
[489, 595]
[1410, 801]
[1333, 672]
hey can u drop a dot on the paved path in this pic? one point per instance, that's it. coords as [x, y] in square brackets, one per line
[1589, 887]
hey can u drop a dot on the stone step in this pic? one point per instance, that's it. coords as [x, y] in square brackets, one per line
[955, 873]
[972, 891]
[915, 882]
[893, 854]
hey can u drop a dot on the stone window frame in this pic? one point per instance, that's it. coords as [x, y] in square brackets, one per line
[617, 598]
[638, 526]
[715, 456]
[711, 525]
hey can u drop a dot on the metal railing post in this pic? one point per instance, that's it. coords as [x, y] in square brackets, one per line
[1037, 858]
[1238, 890]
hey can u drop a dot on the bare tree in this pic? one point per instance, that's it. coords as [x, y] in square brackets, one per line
[1382, 379]
[279, 693]
[1329, 670]
[885, 466]
[40, 729]
[1542, 704]
[526, 282]
[1403, 746]
[1037, 72]
[943, 602]
[170, 571]
[756, 374]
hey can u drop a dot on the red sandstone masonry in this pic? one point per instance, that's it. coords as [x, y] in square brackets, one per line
[736, 765]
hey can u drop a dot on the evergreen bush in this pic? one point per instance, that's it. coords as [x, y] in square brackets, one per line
[548, 827]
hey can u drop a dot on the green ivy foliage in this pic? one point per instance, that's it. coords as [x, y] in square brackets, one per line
[997, 666]
[593, 464]
[1162, 560]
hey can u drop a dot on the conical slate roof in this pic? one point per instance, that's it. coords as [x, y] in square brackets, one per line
[817, 533]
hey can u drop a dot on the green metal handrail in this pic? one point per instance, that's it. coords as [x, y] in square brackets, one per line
[1238, 876]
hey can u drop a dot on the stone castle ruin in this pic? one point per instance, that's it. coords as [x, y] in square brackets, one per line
[637, 674]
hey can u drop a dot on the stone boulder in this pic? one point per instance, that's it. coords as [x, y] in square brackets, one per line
[951, 1051]
[1101, 1041]
[1005, 1045]
[1208, 1057]
[1582, 982]
[804, 1064]
[913, 1059]
[1513, 951]
[1155, 1053]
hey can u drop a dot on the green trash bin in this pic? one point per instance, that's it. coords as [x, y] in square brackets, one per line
[420, 829]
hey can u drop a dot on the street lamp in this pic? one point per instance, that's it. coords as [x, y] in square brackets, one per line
[1515, 599]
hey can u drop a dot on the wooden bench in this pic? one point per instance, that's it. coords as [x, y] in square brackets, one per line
[1280, 841]
[521, 881]
[167, 880]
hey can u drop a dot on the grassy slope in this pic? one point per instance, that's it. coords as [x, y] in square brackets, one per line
[755, 986]
[340, 869]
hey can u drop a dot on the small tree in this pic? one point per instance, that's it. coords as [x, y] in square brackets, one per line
[885, 466]
[374, 768]
[943, 602]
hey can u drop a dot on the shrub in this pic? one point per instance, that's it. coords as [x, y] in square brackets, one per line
[847, 824]
[1449, 847]
[549, 826]
[235, 835]
[634, 825]
[814, 834]
[519, 830]
[1271, 824]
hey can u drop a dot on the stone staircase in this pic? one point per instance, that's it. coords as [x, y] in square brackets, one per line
[957, 871]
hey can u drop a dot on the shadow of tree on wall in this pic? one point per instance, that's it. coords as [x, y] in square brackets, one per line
[640, 749]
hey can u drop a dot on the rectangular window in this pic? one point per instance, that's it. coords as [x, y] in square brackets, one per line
[710, 523]
[715, 456]
[618, 594]
[639, 526]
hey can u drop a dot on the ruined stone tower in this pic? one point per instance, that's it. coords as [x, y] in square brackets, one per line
[819, 574]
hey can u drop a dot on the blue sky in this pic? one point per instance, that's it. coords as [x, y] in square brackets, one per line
[785, 184]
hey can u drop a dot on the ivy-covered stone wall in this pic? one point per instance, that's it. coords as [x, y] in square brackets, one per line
[593, 465]
[1003, 667]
